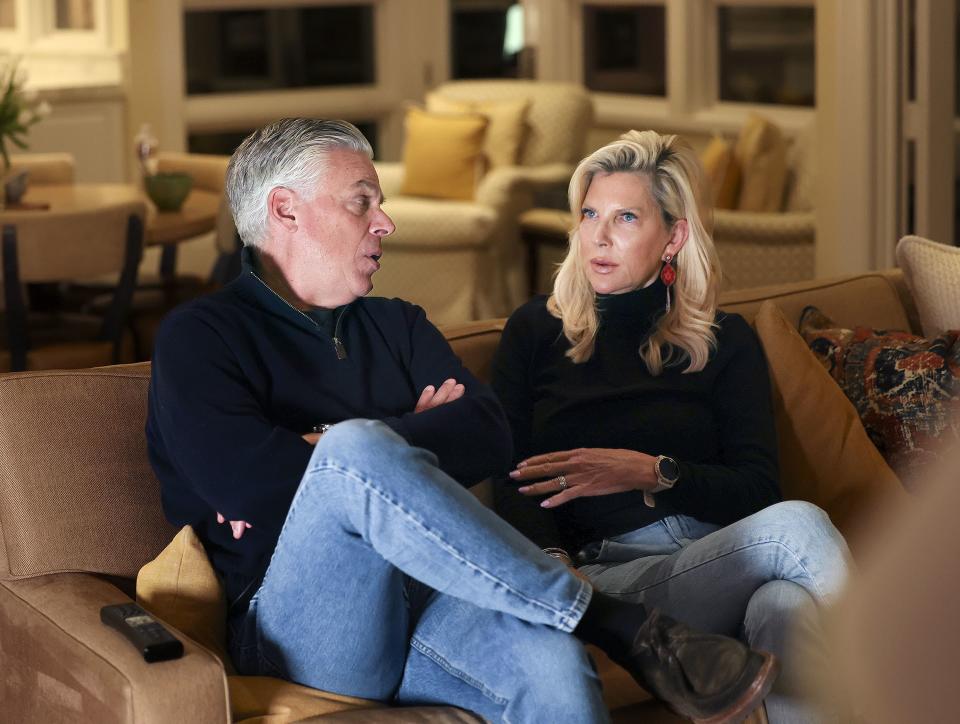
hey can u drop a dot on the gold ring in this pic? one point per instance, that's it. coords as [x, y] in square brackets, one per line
[563, 482]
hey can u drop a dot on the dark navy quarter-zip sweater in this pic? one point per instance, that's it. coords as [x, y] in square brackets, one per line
[240, 375]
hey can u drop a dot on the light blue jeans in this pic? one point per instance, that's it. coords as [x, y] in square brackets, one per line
[390, 581]
[762, 578]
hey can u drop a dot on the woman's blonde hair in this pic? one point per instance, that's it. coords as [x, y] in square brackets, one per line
[686, 332]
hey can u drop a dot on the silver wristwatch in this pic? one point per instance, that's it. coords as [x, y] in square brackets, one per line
[668, 473]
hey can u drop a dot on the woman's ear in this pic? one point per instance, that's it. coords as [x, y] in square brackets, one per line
[678, 237]
[280, 203]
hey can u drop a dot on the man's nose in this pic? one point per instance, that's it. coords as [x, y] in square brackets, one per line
[382, 224]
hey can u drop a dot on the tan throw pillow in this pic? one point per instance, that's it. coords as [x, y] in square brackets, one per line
[442, 155]
[761, 152]
[722, 172]
[507, 125]
[932, 272]
[826, 456]
[180, 587]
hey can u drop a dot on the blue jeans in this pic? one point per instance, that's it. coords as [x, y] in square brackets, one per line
[390, 581]
[761, 578]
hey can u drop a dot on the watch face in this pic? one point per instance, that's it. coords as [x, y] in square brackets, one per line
[669, 470]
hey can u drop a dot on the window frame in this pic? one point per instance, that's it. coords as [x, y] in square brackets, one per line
[692, 103]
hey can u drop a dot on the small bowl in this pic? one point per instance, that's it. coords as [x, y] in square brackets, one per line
[168, 190]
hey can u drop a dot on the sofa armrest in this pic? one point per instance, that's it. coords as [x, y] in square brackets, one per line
[209, 171]
[788, 227]
[500, 185]
[60, 663]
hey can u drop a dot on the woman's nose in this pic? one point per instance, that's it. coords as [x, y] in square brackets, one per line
[603, 234]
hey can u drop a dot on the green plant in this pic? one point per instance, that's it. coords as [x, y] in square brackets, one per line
[19, 109]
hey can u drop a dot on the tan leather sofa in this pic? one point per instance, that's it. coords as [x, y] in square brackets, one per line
[80, 514]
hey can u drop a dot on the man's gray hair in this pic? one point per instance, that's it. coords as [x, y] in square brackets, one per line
[291, 153]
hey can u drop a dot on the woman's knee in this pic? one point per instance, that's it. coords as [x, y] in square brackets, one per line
[558, 673]
[805, 523]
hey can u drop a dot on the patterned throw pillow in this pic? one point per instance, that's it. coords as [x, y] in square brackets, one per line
[905, 388]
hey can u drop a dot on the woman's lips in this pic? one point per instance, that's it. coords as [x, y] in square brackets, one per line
[602, 266]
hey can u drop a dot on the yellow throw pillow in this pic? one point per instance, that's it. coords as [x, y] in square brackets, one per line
[722, 172]
[507, 125]
[180, 587]
[826, 456]
[442, 155]
[761, 153]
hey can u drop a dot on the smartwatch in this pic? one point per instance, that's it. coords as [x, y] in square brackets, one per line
[668, 473]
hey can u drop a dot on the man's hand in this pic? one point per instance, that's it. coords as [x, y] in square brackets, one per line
[585, 472]
[432, 397]
[238, 526]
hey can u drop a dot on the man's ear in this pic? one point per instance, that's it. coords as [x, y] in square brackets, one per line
[678, 237]
[280, 204]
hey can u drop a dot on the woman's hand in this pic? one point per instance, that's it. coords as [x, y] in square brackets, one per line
[585, 472]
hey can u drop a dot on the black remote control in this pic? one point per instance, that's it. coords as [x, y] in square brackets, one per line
[141, 629]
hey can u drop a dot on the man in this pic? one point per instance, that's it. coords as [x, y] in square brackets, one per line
[331, 431]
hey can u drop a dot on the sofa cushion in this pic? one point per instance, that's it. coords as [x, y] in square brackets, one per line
[505, 129]
[761, 153]
[932, 271]
[905, 388]
[826, 456]
[181, 587]
[722, 172]
[442, 154]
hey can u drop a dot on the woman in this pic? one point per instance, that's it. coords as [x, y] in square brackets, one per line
[645, 414]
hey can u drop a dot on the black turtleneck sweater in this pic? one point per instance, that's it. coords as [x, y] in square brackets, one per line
[240, 375]
[717, 423]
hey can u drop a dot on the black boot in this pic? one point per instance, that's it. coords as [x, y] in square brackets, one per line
[705, 677]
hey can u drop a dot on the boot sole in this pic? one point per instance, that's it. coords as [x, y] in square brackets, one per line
[752, 697]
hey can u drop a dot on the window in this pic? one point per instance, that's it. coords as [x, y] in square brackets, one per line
[766, 54]
[226, 142]
[74, 15]
[486, 38]
[245, 50]
[624, 49]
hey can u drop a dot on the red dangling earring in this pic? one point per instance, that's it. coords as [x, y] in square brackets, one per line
[668, 275]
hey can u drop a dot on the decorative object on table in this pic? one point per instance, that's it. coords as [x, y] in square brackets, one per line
[168, 190]
[146, 145]
[19, 109]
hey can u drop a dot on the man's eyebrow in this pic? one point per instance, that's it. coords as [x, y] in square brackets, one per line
[371, 187]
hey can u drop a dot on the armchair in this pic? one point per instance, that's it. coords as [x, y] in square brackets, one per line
[761, 248]
[468, 252]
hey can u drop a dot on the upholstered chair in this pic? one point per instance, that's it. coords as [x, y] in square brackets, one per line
[775, 244]
[55, 247]
[44, 168]
[461, 259]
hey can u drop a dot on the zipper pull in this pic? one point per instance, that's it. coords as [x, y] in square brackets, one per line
[341, 350]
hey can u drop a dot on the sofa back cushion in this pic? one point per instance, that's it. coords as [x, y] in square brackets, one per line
[76, 489]
[867, 300]
[557, 118]
[474, 343]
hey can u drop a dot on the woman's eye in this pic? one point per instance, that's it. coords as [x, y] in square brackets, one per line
[629, 216]
[588, 213]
